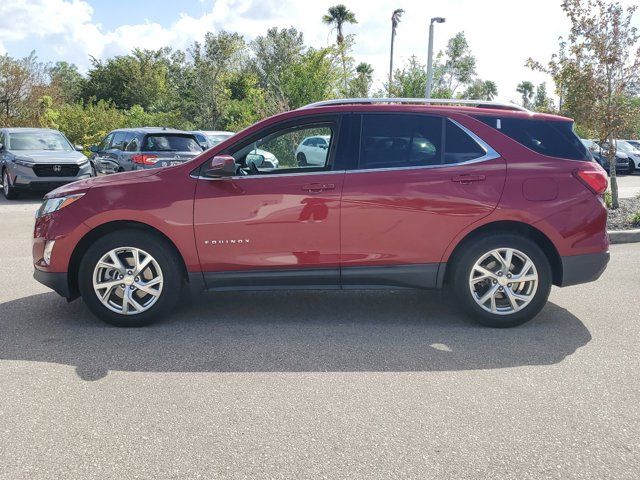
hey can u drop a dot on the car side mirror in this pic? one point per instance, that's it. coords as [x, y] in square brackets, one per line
[78, 148]
[93, 148]
[1, 147]
[220, 166]
[203, 145]
[324, 147]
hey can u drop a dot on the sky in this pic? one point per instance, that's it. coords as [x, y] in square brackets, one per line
[502, 33]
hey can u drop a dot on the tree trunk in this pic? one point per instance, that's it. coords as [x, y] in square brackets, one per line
[613, 180]
[391, 63]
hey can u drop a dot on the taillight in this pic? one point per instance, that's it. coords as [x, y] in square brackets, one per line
[594, 179]
[142, 159]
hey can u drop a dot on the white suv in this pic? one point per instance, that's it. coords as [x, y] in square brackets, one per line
[313, 151]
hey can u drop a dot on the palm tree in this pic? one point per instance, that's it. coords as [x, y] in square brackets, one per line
[339, 15]
[490, 89]
[526, 89]
[395, 20]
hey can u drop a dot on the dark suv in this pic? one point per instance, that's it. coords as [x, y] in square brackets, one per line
[496, 203]
[140, 148]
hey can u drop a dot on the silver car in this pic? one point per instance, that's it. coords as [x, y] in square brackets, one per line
[38, 159]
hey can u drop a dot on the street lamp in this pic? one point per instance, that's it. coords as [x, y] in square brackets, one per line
[427, 92]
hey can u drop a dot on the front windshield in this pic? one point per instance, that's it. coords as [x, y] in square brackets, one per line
[218, 138]
[38, 141]
[624, 146]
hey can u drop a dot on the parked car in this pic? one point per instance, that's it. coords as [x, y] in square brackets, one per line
[211, 138]
[496, 203]
[632, 151]
[38, 159]
[313, 150]
[142, 148]
[599, 155]
[259, 158]
[635, 143]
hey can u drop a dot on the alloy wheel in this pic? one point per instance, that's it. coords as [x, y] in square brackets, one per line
[127, 280]
[503, 281]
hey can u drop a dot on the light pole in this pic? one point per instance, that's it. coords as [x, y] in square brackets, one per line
[427, 92]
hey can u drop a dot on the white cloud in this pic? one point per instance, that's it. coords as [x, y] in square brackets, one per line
[502, 33]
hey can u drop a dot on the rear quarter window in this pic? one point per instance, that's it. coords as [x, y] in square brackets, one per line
[170, 143]
[547, 137]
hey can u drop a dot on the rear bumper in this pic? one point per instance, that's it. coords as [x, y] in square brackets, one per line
[56, 281]
[585, 268]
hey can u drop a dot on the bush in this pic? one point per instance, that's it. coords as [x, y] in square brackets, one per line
[635, 219]
[607, 199]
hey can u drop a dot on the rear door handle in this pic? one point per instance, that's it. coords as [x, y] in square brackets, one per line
[468, 178]
[318, 187]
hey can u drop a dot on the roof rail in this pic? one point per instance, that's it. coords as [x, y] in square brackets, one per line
[427, 101]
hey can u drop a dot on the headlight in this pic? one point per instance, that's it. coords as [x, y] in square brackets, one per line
[24, 163]
[51, 205]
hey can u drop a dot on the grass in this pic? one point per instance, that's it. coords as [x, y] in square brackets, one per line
[607, 199]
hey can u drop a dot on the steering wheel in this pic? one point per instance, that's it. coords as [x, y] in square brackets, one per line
[253, 169]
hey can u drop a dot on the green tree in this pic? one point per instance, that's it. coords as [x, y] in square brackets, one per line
[361, 84]
[481, 90]
[526, 91]
[541, 102]
[218, 57]
[67, 81]
[274, 54]
[411, 81]
[598, 69]
[336, 17]
[140, 78]
[22, 84]
[453, 68]
[311, 78]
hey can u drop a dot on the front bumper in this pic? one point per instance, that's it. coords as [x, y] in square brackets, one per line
[584, 268]
[56, 281]
[24, 178]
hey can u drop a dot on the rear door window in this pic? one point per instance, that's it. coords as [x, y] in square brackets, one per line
[397, 141]
[167, 142]
[548, 137]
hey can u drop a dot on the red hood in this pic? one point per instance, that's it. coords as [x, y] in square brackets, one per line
[84, 185]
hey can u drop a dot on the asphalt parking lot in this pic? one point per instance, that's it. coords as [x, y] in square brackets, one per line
[317, 385]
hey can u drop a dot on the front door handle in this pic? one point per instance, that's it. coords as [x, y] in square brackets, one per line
[468, 178]
[318, 187]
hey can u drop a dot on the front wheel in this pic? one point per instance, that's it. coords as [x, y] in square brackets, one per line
[632, 166]
[502, 280]
[302, 160]
[130, 278]
[8, 190]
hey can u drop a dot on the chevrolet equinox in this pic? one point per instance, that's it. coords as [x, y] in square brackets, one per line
[492, 201]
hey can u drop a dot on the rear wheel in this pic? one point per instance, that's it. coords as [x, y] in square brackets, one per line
[130, 278]
[8, 190]
[502, 280]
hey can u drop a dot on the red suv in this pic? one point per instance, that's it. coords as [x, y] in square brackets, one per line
[494, 202]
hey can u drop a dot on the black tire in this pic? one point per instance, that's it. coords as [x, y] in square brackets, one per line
[8, 190]
[302, 159]
[632, 167]
[472, 252]
[93, 170]
[159, 249]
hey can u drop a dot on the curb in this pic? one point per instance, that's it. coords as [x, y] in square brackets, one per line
[624, 236]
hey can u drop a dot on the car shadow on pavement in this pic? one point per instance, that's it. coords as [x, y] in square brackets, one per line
[342, 331]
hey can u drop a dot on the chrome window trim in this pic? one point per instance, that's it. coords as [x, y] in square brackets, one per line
[275, 175]
[490, 154]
